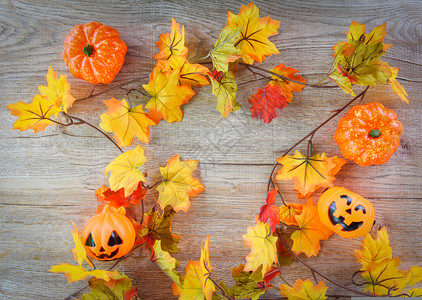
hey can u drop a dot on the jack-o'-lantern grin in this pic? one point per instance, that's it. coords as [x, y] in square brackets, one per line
[105, 256]
[340, 219]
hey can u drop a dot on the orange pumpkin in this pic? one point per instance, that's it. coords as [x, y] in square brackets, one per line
[346, 213]
[109, 234]
[94, 52]
[368, 134]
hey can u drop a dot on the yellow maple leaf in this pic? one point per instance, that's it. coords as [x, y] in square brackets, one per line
[191, 288]
[178, 184]
[263, 247]
[172, 43]
[310, 232]
[79, 251]
[76, 273]
[253, 43]
[384, 276]
[309, 173]
[304, 290]
[125, 171]
[58, 90]
[208, 286]
[224, 87]
[286, 85]
[35, 115]
[167, 95]
[289, 212]
[374, 250]
[396, 86]
[126, 122]
[190, 74]
[166, 263]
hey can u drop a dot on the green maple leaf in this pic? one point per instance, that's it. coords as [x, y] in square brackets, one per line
[160, 228]
[248, 284]
[114, 289]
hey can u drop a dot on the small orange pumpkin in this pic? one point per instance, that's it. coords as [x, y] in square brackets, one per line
[94, 52]
[109, 234]
[368, 134]
[346, 213]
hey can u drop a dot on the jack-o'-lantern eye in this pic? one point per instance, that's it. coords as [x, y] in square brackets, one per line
[114, 239]
[90, 241]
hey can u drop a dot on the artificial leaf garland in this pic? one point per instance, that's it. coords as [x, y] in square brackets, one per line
[245, 36]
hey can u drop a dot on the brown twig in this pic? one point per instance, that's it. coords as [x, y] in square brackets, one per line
[80, 121]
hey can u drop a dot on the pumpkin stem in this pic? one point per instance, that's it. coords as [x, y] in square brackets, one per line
[88, 50]
[374, 133]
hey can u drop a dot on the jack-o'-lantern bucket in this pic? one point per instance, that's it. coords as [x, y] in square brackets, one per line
[346, 213]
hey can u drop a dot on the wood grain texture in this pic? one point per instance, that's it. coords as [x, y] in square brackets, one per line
[49, 178]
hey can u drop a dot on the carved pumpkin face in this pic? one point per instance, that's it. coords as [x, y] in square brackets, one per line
[346, 213]
[108, 235]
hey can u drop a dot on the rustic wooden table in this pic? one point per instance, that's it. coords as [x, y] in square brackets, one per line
[49, 178]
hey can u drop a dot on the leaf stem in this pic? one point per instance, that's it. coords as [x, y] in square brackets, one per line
[148, 187]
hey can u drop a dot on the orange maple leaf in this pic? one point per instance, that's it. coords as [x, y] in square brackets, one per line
[190, 74]
[126, 122]
[309, 173]
[125, 171]
[178, 184]
[172, 43]
[270, 211]
[310, 232]
[265, 101]
[263, 247]
[289, 212]
[286, 85]
[58, 90]
[35, 115]
[253, 44]
[304, 290]
[117, 198]
[167, 95]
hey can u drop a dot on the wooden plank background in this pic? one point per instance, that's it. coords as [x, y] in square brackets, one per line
[49, 178]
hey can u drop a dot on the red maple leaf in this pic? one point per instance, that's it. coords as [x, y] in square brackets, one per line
[265, 101]
[270, 211]
[117, 199]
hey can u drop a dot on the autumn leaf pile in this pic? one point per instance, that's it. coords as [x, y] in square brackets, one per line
[281, 233]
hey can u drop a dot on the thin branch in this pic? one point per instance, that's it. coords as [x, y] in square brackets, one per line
[92, 126]
[91, 95]
[288, 79]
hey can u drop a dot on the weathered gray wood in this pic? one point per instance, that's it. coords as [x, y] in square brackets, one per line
[49, 178]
